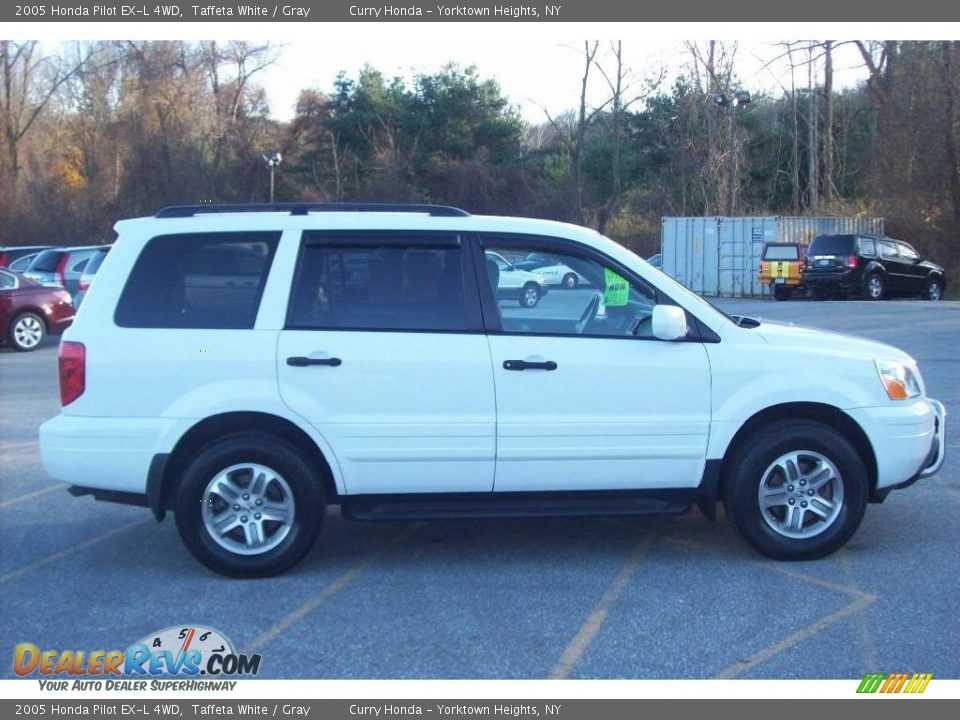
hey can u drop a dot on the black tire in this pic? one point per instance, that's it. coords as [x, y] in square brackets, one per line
[782, 293]
[933, 290]
[26, 332]
[874, 287]
[276, 454]
[529, 295]
[744, 473]
[570, 281]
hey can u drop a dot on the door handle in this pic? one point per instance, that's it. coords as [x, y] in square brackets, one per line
[306, 361]
[527, 365]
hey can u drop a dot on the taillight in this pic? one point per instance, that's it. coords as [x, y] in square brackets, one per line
[3, 259]
[852, 261]
[72, 362]
[61, 270]
[84, 282]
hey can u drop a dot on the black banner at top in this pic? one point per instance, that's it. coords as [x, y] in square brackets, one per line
[739, 11]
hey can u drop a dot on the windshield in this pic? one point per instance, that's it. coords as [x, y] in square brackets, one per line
[832, 245]
[46, 261]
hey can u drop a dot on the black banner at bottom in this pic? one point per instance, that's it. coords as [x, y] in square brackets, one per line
[619, 709]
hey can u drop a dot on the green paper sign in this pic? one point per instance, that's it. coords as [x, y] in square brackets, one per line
[616, 291]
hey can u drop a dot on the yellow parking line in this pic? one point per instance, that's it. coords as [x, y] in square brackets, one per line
[76, 548]
[584, 637]
[800, 635]
[28, 496]
[863, 628]
[328, 591]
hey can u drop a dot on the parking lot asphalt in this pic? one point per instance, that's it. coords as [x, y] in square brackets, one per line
[649, 597]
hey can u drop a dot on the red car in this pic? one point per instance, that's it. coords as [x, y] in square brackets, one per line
[29, 311]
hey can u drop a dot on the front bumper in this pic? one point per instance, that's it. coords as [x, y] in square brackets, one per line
[908, 440]
[938, 447]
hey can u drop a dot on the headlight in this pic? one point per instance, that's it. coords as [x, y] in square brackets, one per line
[899, 380]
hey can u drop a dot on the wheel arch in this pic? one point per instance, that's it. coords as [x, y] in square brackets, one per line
[828, 415]
[167, 468]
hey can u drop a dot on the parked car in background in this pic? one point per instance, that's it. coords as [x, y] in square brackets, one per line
[29, 311]
[513, 283]
[553, 271]
[656, 261]
[89, 272]
[14, 253]
[871, 266]
[781, 268]
[61, 267]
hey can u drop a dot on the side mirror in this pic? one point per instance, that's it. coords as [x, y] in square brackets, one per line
[669, 322]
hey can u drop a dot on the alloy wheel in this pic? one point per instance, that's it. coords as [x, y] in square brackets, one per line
[800, 494]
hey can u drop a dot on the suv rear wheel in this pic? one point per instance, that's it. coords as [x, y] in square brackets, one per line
[797, 490]
[249, 505]
[875, 288]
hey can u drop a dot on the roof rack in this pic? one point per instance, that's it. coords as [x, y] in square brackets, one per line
[302, 208]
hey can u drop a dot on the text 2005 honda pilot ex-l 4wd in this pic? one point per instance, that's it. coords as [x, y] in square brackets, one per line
[246, 366]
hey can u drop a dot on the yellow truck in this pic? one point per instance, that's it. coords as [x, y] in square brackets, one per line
[781, 267]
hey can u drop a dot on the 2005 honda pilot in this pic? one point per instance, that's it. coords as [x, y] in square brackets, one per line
[247, 366]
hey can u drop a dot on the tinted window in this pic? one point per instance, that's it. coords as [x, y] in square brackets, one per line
[46, 261]
[7, 281]
[177, 283]
[389, 286]
[781, 252]
[78, 266]
[888, 249]
[832, 245]
[601, 303]
[908, 252]
[868, 246]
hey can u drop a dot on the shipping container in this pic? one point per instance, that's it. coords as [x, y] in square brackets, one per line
[720, 256]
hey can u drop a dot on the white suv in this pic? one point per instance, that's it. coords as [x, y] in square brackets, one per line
[247, 366]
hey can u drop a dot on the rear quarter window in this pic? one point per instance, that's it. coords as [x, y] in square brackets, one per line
[199, 280]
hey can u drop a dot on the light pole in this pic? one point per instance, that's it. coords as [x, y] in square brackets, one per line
[273, 162]
[740, 98]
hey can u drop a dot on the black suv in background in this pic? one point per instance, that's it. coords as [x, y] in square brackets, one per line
[870, 266]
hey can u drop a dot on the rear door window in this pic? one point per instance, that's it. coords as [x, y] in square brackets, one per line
[868, 246]
[888, 249]
[401, 282]
[198, 280]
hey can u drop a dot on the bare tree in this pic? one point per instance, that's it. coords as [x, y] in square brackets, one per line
[29, 80]
[573, 136]
[621, 84]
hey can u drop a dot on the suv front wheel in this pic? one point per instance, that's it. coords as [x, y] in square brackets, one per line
[249, 505]
[796, 490]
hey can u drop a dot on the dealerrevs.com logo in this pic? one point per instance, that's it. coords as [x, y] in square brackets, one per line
[189, 652]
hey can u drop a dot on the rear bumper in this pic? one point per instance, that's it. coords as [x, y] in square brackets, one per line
[908, 440]
[847, 280]
[100, 453]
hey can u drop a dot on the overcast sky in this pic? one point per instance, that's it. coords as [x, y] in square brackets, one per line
[532, 73]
